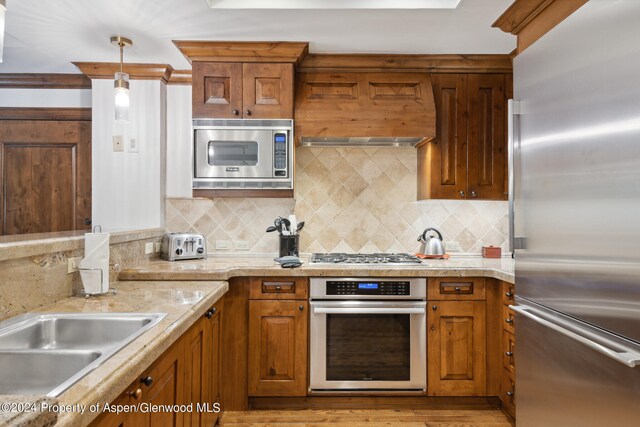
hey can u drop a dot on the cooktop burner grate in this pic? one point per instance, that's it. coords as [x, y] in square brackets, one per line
[379, 258]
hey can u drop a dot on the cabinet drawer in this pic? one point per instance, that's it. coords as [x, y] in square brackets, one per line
[279, 288]
[458, 288]
[508, 351]
[509, 319]
[508, 293]
[508, 392]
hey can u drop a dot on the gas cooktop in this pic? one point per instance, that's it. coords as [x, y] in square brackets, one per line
[340, 258]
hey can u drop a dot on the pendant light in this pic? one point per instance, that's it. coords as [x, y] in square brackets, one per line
[121, 83]
[3, 9]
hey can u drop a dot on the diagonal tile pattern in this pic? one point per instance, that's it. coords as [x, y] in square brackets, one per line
[353, 200]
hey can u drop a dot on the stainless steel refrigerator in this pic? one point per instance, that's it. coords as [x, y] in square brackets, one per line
[575, 128]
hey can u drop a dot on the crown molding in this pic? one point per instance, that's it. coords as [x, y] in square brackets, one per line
[106, 70]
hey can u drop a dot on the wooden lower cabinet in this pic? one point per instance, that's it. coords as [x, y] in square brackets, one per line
[187, 373]
[456, 348]
[278, 336]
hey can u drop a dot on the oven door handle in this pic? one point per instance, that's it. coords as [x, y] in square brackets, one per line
[369, 310]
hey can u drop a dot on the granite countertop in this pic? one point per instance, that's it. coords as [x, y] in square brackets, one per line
[184, 302]
[223, 268]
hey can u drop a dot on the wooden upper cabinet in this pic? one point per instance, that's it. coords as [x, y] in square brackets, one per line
[217, 90]
[237, 90]
[267, 90]
[456, 348]
[487, 136]
[467, 158]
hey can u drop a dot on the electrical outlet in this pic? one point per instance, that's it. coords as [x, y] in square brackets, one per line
[134, 145]
[242, 245]
[158, 247]
[72, 264]
[148, 248]
[118, 143]
[223, 244]
[453, 247]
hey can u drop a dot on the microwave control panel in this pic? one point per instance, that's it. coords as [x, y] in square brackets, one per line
[280, 154]
[368, 287]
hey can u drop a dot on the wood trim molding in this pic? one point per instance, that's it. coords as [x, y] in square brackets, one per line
[57, 114]
[44, 81]
[214, 51]
[106, 70]
[180, 77]
[408, 63]
[531, 19]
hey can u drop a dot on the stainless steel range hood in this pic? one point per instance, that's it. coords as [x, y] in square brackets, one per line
[317, 141]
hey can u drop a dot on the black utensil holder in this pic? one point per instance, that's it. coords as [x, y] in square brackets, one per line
[289, 245]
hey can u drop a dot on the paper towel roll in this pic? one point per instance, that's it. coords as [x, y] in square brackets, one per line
[94, 267]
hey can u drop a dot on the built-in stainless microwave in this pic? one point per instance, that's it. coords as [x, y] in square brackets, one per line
[255, 154]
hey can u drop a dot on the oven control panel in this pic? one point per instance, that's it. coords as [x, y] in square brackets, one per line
[368, 287]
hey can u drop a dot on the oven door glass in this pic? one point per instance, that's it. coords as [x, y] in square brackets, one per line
[368, 347]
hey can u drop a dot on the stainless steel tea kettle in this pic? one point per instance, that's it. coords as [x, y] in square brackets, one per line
[431, 245]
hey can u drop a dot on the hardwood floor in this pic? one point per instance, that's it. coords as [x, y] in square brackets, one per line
[369, 418]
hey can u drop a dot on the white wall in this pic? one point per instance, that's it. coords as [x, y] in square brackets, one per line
[61, 98]
[179, 141]
[128, 187]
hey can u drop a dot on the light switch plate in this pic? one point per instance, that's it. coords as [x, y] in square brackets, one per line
[223, 244]
[452, 246]
[134, 145]
[157, 246]
[148, 248]
[72, 264]
[242, 245]
[118, 143]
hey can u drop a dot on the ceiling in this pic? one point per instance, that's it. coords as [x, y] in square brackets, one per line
[46, 36]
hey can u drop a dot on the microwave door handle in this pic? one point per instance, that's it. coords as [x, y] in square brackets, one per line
[361, 310]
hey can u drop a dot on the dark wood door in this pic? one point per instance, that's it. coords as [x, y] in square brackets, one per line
[217, 90]
[211, 373]
[46, 175]
[487, 137]
[278, 348]
[443, 162]
[196, 373]
[456, 348]
[267, 91]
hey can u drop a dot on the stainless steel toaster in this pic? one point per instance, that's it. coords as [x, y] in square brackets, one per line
[178, 246]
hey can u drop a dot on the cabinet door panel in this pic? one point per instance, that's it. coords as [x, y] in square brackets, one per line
[457, 349]
[196, 378]
[267, 91]
[217, 90]
[487, 136]
[278, 348]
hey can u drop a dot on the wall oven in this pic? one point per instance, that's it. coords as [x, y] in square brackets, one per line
[368, 334]
[243, 154]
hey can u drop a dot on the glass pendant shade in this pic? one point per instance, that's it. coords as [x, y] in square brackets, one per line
[121, 85]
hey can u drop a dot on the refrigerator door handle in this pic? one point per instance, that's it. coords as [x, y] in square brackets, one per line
[513, 144]
[626, 356]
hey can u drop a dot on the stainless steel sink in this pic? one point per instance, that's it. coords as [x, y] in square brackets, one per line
[47, 353]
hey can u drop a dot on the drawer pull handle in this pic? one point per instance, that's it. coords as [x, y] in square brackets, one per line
[509, 321]
[456, 288]
[136, 394]
[278, 287]
[509, 353]
[147, 381]
[509, 294]
[209, 313]
[510, 393]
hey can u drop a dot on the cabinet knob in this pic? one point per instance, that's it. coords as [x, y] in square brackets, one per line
[461, 193]
[473, 193]
[209, 314]
[147, 381]
[434, 308]
[301, 307]
[236, 112]
[136, 394]
[248, 113]
[509, 353]
[509, 294]
[509, 321]
[278, 288]
[433, 329]
[510, 393]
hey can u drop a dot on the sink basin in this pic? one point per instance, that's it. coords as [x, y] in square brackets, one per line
[77, 332]
[47, 353]
[41, 372]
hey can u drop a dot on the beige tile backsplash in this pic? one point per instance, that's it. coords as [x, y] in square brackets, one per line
[352, 200]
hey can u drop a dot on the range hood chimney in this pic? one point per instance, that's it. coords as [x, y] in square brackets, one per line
[361, 108]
